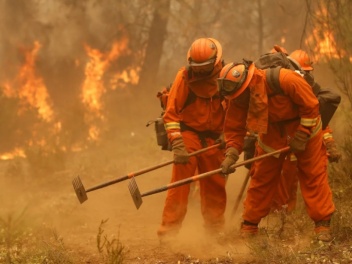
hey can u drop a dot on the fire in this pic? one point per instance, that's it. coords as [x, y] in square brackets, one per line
[32, 94]
[29, 87]
[17, 152]
[32, 88]
[93, 88]
[323, 40]
[325, 45]
[126, 77]
[31, 91]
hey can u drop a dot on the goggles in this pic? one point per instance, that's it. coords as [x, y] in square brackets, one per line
[228, 87]
[198, 64]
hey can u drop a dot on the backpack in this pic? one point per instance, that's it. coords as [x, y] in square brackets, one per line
[272, 64]
[273, 60]
[162, 95]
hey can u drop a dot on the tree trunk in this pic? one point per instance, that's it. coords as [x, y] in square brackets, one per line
[260, 27]
[155, 43]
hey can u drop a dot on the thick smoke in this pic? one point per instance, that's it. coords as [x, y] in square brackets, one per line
[62, 29]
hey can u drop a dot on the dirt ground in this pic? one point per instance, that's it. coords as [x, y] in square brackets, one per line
[51, 202]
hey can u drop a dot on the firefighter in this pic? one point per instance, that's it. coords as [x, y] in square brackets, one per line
[189, 129]
[286, 196]
[292, 119]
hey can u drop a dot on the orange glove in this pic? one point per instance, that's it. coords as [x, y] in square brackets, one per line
[231, 158]
[299, 141]
[333, 154]
[180, 153]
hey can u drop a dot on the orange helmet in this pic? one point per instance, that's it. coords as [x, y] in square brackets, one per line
[204, 51]
[302, 58]
[278, 48]
[234, 78]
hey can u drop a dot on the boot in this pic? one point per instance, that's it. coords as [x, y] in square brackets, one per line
[167, 234]
[322, 231]
[248, 230]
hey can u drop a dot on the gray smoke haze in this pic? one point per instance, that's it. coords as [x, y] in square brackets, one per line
[62, 28]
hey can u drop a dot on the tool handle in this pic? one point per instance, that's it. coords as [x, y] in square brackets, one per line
[145, 170]
[209, 173]
[240, 195]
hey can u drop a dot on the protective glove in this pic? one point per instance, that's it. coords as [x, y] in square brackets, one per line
[249, 148]
[299, 141]
[333, 154]
[231, 158]
[180, 153]
[221, 141]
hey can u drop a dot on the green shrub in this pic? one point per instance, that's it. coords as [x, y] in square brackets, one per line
[112, 251]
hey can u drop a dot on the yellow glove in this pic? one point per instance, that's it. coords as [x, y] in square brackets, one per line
[180, 153]
[333, 154]
[231, 158]
[299, 141]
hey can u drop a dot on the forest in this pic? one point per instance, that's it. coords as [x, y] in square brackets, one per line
[78, 85]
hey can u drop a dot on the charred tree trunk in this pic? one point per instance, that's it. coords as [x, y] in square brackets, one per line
[156, 39]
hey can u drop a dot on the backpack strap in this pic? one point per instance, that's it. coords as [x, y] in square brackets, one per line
[272, 78]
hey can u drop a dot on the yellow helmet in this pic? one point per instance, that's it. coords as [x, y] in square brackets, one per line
[234, 78]
[204, 51]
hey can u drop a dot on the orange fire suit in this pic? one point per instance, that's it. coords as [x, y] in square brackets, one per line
[296, 109]
[286, 195]
[199, 124]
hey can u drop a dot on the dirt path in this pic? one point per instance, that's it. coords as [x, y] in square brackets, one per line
[52, 203]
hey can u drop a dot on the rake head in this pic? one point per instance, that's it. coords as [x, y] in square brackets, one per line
[79, 189]
[135, 193]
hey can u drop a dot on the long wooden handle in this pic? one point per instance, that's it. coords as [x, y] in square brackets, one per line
[148, 169]
[209, 173]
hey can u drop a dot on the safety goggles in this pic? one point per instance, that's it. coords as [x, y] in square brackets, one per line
[227, 87]
[205, 63]
[203, 68]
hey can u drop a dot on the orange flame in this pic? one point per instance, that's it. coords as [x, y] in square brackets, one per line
[33, 89]
[11, 155]
[323, 39]
[93, 87]
[30, 88]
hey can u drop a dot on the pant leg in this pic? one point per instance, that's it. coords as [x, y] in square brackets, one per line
[292, 193]
[262, 187]
[287, 188]
[212, 190]
[313, 179]
[175, 207]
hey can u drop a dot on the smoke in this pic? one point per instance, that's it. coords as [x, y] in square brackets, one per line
[63, 29]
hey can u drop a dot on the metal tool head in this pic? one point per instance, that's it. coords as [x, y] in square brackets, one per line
[135, 193]
[79, 189]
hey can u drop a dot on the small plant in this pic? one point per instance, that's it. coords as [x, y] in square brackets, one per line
[112, 251]
[19, 245]
[54, 250]
[11, 232]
